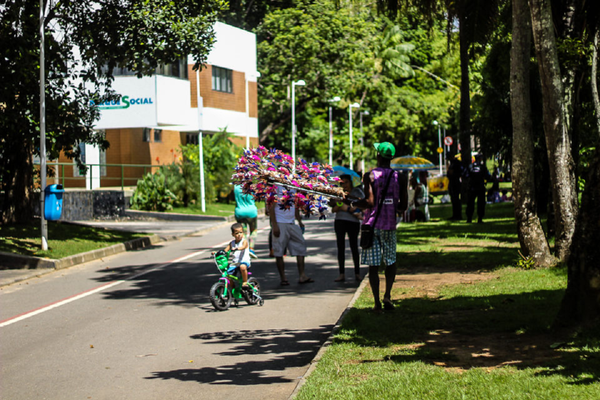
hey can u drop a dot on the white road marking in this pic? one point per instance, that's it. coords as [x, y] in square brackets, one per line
[99, 289]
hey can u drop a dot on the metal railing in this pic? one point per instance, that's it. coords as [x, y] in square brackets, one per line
[109, 176]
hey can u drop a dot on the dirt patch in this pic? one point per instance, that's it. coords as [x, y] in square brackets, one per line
[458, 352]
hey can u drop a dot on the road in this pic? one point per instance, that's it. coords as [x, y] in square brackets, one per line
[139, 325]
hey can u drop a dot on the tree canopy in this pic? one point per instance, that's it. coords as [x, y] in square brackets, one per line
[84, 43]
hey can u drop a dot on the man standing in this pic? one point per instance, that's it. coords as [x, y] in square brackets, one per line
[476, 175]
[287, 234]
[386, 196]
[455, 170]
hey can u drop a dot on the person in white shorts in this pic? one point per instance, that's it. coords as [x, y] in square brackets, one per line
[287, 234]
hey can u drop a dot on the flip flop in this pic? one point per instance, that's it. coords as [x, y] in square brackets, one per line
[309, 280]
[388, 306]
[285, 283]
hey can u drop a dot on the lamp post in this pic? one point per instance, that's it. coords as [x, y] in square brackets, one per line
[362, 140]
[44, 224]
[439, 144]
[294, 84]
[334, 100]
[355, 105]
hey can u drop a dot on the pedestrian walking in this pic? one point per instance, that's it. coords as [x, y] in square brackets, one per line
[455, 172]
[347, 222]
[476, 175]
[246, 214]
[286, 234]
[386, 196]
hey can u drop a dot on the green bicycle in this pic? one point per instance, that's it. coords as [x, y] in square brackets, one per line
[229, 287]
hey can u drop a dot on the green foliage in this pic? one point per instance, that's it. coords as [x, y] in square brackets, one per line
[220, 157]
[84, 42]
[152, 193]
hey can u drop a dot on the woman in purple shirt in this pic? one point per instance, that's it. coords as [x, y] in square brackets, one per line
[393, 202]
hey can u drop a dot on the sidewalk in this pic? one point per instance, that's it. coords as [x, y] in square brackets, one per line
[159, 230]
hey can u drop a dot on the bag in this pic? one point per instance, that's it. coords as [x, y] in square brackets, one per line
[366, 236]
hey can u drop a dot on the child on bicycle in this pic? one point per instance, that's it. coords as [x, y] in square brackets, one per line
[241, 253]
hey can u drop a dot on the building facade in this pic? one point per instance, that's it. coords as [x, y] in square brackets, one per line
[157, 114]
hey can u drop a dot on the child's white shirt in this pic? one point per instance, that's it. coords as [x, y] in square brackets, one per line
[240, 256]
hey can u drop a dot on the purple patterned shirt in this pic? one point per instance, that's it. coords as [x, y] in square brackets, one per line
[387, 216]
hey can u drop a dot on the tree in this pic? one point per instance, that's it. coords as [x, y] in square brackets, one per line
[556, 120]
[327, 47]
[85, 42]
[531, 234]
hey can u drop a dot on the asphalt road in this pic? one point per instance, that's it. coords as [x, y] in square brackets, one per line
[139, 325]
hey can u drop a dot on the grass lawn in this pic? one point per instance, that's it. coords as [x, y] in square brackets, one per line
[63, 239]
[467, 324]
[217, 209]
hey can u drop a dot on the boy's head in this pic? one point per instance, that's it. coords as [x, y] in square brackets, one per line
[237, 231]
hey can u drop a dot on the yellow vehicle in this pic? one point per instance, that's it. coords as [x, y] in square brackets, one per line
[437, 186]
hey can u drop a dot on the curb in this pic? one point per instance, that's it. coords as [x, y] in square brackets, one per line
[315, 361]
[41, 266]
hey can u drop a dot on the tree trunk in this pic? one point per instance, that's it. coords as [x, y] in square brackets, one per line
[465, 99]
[581, 303]
[531, 235]
[595, 79]
[17, 179]
[562, 168]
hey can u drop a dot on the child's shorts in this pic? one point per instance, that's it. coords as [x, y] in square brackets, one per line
[235, 267]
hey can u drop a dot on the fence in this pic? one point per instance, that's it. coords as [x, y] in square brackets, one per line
[121, 174]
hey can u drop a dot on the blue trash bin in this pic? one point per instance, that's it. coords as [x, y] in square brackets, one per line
[53, 195]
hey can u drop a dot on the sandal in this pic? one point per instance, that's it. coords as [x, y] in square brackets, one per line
[285, 283]
[387, 305]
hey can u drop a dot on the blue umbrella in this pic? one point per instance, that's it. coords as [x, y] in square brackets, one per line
[339, 171]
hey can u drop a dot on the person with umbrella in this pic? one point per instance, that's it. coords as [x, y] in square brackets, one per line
[347, 221]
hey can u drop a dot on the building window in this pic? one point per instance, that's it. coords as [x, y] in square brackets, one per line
[191, 138]
[158, 135]
[146, 135]
[221, 80]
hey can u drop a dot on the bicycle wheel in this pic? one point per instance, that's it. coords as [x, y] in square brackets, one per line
[249, 296]
[220, 297]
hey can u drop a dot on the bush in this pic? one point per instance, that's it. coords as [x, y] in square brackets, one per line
[152, 194]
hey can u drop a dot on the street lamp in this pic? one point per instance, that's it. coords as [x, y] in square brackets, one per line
[362, 140]
[439, 144]
[294, 84]
[355, 105]
[334, 100]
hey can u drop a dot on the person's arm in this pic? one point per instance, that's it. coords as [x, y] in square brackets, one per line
[369, 200]
[244, 245]
[228, 248]
[274, 225]
[298, 217]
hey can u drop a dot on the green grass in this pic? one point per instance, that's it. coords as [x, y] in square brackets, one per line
[488, 338]
[217, 209]
[63, 239]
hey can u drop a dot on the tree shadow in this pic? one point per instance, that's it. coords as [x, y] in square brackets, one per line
[288, 349]
[479, 332]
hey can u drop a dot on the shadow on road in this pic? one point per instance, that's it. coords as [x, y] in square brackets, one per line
[288, 348]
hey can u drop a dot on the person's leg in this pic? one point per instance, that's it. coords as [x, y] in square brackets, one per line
[281, 270]
[470, 204]
[303, 278]
[390, 277]
[374, 282]
[481, 206]
[340, 237]
[244, 271]
[353, 231]
[252, 225]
